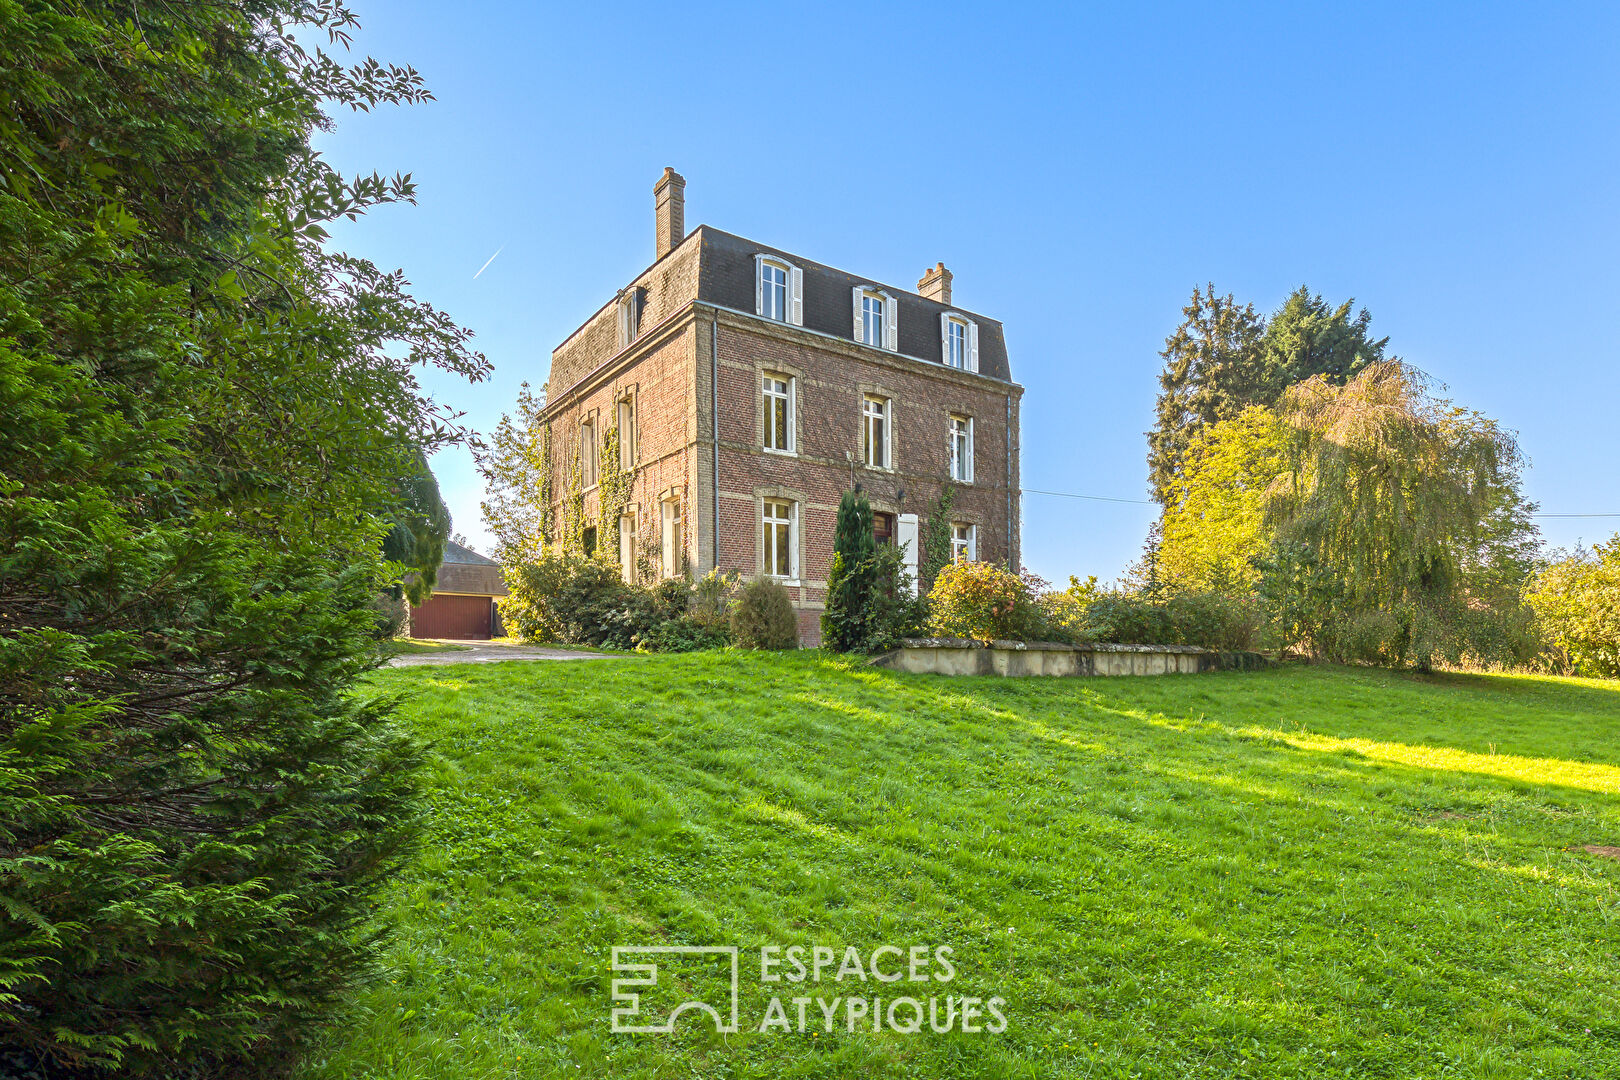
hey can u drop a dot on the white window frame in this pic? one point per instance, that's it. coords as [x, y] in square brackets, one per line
[769, 508]
[590, 466]
[767, 395]
[959, 433]
[627, 546]
[964, 541]
[888, 335]
[792, 290]
[626, 410]
[671, 538]
[885, 414]
[969, 360]
[629, 316]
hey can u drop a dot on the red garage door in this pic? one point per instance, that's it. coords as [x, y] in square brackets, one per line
[442, 616]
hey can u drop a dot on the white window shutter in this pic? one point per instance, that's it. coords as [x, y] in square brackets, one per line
[967, 473]
[891, 324]
[888, 434]
[973, 346]
[759, 285]
[945, 339]
[973, 543]
[860, 323]
[796, 296]
[906, 533]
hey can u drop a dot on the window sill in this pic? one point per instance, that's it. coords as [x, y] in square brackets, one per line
[787, 582]
[780, 453]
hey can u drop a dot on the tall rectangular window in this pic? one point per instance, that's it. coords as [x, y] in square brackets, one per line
[875, 432]
[773, 291]
[588, 463]
[964, 542]
[961, 447]
[777, 521]
[872, 319]
[956, 344]
[627, 547]
[627, 432]
[777, 401]
[673, 541]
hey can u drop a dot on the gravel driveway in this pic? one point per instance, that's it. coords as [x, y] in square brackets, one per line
[484, 652]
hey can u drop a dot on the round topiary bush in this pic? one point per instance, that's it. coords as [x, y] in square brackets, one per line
[762, 617]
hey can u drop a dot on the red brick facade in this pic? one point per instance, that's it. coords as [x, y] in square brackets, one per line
[688, 331]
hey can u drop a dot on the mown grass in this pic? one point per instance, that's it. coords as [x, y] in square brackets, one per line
[1300, 872]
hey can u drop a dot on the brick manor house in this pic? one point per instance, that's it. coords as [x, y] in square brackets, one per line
[749, 388]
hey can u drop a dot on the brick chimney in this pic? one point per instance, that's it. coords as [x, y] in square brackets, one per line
[669, 194]
[936, 284]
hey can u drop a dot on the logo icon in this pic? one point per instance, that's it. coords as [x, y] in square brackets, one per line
[645, 981]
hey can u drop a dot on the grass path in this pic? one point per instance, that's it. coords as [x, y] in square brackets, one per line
[1295, 873]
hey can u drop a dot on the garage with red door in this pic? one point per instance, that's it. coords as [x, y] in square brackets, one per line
[462, 606]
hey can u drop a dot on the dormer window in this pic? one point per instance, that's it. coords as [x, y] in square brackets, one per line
[778, 290]
[629, 316]
[959, 342]
[877, 319]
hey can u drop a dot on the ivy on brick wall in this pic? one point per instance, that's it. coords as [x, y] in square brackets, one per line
[936, 539]
[612, 495]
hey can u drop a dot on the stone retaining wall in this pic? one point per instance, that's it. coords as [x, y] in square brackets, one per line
[959, 656]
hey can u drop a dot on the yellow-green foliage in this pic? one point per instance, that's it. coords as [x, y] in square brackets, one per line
[1214, 520]
[1577, 602]
[982, 601]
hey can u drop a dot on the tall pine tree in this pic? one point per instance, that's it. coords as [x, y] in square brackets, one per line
[1225, 357]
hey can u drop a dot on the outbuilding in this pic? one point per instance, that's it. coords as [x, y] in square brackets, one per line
[463, 602]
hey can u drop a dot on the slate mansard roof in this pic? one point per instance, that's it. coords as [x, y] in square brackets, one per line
[726, 277]
[716, 267]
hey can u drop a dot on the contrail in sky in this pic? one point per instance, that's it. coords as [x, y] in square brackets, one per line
[489, 260]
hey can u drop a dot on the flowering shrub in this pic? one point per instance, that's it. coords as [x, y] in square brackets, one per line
[985, 602]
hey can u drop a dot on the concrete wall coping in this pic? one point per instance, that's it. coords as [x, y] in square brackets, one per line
[1046, 646]
[961, 656]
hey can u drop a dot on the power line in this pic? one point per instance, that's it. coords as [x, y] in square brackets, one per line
[1150, 502]
[1093, 498]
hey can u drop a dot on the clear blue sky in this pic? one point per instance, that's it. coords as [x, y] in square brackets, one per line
[1453, 167]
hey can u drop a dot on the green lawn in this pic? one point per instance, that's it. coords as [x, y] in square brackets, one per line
[1299, 872]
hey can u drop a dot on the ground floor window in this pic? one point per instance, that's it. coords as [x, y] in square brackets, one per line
[883, 528]
[587, 540]
[673, 541]
[779, 520]
[964, 542]
[627, 547]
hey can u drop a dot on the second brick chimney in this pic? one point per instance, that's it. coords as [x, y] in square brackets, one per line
[936, 284]
[669, 196]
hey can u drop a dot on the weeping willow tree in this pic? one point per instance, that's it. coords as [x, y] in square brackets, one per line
[1398, 531]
